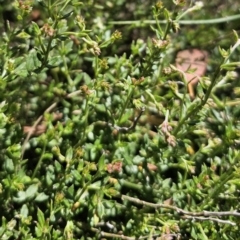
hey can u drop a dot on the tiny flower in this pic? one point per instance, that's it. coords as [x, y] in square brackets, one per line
[59, 197]
[161, 44]
[80, 22]
[137, 81]
[85, 90]
[167, 71]
[116, 35]
[175, 27]
[112, 180]
[175, 227]
[103, 63]
[159, 5]
[26, 6]
[105, 85]
[95, 50]
[164, 127]
[138, 103]
[48, 30]
[171, 140]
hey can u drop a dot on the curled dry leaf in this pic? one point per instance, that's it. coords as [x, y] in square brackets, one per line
[195, 60]
[168, 201]
[35, 15]
[152, 167]
[40, 129]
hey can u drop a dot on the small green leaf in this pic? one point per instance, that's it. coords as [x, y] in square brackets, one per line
[58, 166]
[68, 47]
[166, 14]
[21, 197]
[8, 165]
[14, 152]
[71, 191]
[68, 230]
[42, 3]
[23, 35]
[224, 53]
[41, 219]
[3, 105]
[66, 15]
[54, 62]
[47, 156]
[77, 3]
[101, 164]
[95, 220]
[24, 211]
[192, 106]
[100, 210]
[235, 34]
[230, 66]
[36, 28]
[11, 224]
[32, 61]
[41, 197]
[69, 154]
[49, 178]
[111, 192]
[76, 175]
[31, 191]
[38, 231]
[21, 70]
[2, 230]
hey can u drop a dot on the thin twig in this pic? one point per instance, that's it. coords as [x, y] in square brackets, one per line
[181, 22]
[122, 129]
[179, 210]
[134, 124]
[121, 236]
[73, 94]
[210, 219]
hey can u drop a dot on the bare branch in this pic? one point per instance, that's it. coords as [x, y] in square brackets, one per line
[121, 236]
[121, 129]
[73, 94]
[134, 124]
[179, 210]
[210, 219]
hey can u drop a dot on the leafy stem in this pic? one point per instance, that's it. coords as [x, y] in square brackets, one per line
[130, 93]
[218, 186]
[40, 160]
[208, 93]
[199, 106]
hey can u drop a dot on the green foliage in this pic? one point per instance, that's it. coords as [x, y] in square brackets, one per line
[80, 157]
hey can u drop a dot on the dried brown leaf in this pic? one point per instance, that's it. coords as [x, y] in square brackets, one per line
[192, 59]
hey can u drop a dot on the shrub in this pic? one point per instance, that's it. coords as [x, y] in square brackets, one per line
[100, 137]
